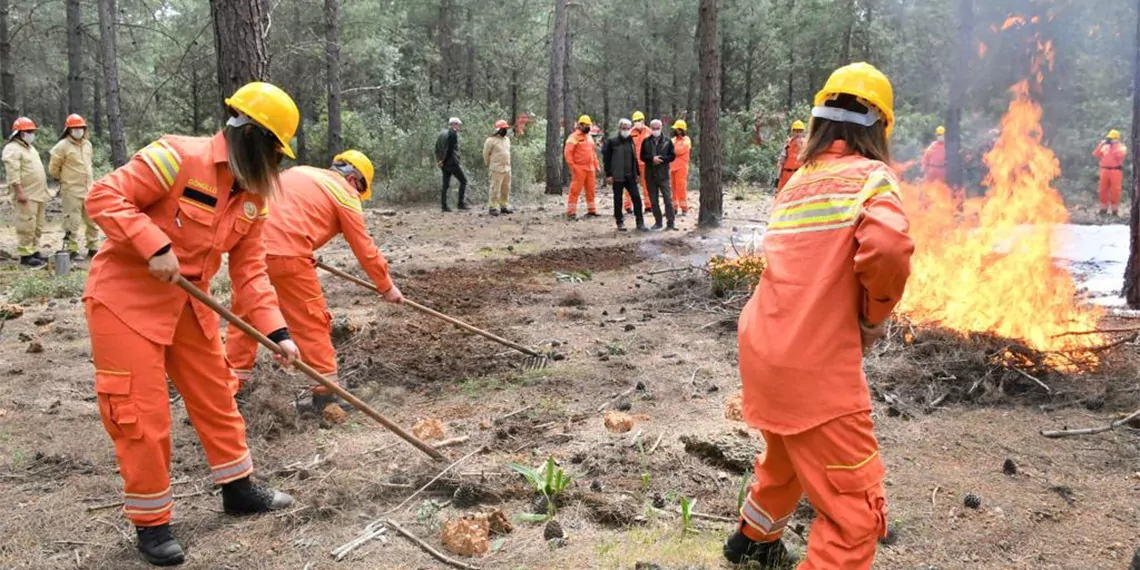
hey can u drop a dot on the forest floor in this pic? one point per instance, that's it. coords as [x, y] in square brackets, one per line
[588, 292]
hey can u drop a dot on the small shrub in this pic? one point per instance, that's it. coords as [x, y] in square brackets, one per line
[43, 285]
[736, 273]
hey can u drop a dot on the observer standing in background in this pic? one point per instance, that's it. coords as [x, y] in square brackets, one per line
[497, 159]
[447, 158]
[582, 158]
[838, 257]
[790, 156]
[619, 157]
[27, 183]
[934, 159]
[639, 133]
[679, 169]
[70, 163]
[657, 154]
[1111, 153]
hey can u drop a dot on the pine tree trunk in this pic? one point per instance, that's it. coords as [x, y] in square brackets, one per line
[554, 89]
[845, 56]
[74, 58]
[568, 108]
[110, 56]
[792, 70]
[1132, 271]
[239, 42]
[514, 94]
[302, 102]
[471, 53]
[958, 87]
[712, 196]
[7, 76]
[332, 76]
[444, 31]
[97, 110]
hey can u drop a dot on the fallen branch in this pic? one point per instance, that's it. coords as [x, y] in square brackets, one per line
[616, 398]
[934, 498]
[671, 270]
[1092, 430]
[374, 530]
[105, 506]
[434, 479]
[1031, 377]
[428, 548]
[512, 414]
[453, 441]
[656, 443]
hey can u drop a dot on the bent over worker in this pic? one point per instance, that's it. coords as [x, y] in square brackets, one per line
[679, 168]
[27, 183]
[790, 156]
[934, 158]
[838, 257]
[71, 164]
[315, 205]
[1111, 153]
[171, 212]
[582, 159]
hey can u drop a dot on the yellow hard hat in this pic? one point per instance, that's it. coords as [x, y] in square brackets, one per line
[940, 130]
[798, 126]
[270, 107]
[357, 160]
[638, 116]
[585, 120]
[1113, 135]
[680, 124]
[866, 82]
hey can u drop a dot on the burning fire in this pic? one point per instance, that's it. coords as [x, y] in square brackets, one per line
[984, 264]
[1012, 21]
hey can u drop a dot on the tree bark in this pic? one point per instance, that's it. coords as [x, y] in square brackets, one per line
[958, 87]
[7, 76]
[74, 58]
[446, 7]
[471, 71]
[1132, 271]
[110, 55]
[712, 198]
[792, 70]
[239, 42]
[845, 55]
[554, 89]
[299, 79]
[514, 94]
[97, 111]
[568, 108]
[332, 75]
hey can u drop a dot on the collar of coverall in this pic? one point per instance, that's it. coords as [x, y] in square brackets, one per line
[218, 149]
[844, 116]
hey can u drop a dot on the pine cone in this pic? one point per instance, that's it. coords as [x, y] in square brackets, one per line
[540, 505]
[1009, 467]
[553, 530]
[465, 496]
[658, 501]
[972, 501]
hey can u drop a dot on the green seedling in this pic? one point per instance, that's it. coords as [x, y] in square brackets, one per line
[548, 481]
[742, 493]
[687, 506]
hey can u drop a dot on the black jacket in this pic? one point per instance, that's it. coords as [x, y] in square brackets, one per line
[619, 157]
[657, 146]
[447, 148]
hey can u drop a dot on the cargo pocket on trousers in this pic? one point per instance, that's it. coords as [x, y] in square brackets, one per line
[320, 311]
[862, 482]
[115, 403]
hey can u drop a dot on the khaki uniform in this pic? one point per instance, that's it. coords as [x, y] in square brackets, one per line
[22, 166]
[497, 159]
[71, 164]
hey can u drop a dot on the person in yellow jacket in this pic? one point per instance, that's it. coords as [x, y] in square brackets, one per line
[70, 163]
[27, 183]
[497, 159]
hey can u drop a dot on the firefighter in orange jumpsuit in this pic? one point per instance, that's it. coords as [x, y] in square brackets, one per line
[582, 158]
[314, 207]
[934, 159]
[1111, 153]
[838, 257]
[638, 133]
[174, 209]
[679, 168]
[790, 156]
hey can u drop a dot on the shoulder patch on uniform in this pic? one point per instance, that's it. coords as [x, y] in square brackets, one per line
[163, 161]
[250, 209]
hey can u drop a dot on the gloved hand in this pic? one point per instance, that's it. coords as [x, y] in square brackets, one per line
[870, 334]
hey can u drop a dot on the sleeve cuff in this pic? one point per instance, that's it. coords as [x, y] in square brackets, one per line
[150, 241]
[162, 251]
[279, 335]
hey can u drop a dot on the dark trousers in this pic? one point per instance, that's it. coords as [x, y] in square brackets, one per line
[456, 171]
[621, 186]
[659, 189]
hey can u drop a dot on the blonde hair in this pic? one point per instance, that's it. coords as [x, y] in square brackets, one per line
[254, 158]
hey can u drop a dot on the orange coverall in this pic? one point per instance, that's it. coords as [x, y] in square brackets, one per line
[582, 158]
[934, 162]
[837, 247]
[639, 135]
[679, 172]
[314, 206]
[1111, 157]
[791, 162]
[176, 192]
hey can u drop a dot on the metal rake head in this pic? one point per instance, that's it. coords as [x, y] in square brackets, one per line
[540, 360]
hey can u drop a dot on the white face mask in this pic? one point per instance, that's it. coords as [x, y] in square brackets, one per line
[76, 133]
[639, 124]
[28, 137]
[625, 134]
[656, 132]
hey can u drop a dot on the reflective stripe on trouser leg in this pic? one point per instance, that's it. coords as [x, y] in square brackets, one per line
[774, 494]
[306, 313]
[130, 386]
[197, 366]
[765, 525]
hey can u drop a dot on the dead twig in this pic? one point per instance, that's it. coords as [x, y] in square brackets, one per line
[428, 548]
[934, 498]
[434, 479]
[453, 441]
[656, 443]
[671, 270]
[512, 414]
[1031, 377]
[625, 393]
[1093, 430]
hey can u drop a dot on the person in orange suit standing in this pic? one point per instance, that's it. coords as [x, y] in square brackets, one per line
[803, 333]
[790, 156]
[639, 133]
[679, 168]
[582, 159]
[934, 159]
[174, 210]
[1111, 153]
[315, 206]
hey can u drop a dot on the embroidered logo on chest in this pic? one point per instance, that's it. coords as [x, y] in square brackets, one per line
[250, 210]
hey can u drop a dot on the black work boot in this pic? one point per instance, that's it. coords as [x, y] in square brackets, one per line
[322, 401]
[31, 261]
[244, 497]
[493, 211]
[507, 210]
[740, 549]
[74, 255]
[158, 546]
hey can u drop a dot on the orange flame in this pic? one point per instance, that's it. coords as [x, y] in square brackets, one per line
[982, 49]
[985, 264]
[1012, 21]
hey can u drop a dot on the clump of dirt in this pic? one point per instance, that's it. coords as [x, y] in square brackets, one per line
[572, 299]
[611, 510]
[267, 406]
[727, 451]
[429, 429]
[466, 537]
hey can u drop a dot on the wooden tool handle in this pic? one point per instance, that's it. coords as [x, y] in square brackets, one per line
[433, 312]
[317, 377]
